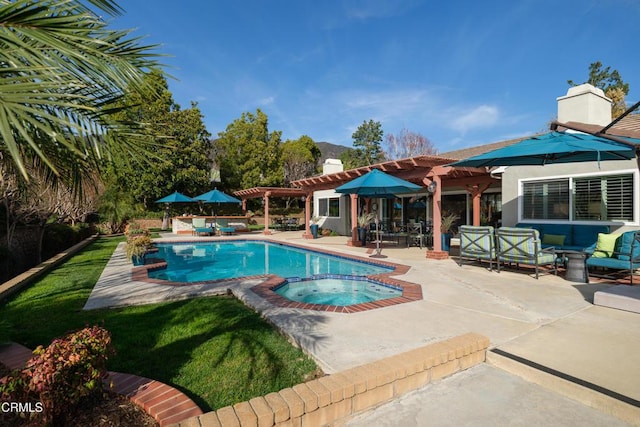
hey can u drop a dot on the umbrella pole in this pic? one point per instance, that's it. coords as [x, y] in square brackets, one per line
[378, 250]
[165, 217]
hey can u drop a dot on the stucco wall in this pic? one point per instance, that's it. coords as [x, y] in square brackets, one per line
[512, 176]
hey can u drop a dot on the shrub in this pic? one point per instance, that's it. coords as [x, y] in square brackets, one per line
[137, 246]
[60, 376]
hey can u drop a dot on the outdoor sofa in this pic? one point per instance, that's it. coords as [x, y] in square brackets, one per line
[563, 237]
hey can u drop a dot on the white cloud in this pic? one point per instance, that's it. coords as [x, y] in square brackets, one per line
[482, 116]
[266, 101]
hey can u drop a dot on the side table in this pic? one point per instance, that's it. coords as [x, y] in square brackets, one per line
[576, 262]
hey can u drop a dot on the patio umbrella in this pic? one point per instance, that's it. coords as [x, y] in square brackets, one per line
[381, 185]
[216, 196]
[174, 197]
[554, 147]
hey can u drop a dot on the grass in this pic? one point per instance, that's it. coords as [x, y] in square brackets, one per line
[216, 350]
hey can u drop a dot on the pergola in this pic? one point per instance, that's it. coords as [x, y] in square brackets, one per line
[422, 170]
[265, 193]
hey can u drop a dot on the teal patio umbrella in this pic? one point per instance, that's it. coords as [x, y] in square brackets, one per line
[378, 184]
[174, 197]
[555, 147]
[216, 196]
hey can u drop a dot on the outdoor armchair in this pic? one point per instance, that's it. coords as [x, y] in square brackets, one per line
[477, 243]
[522, 246]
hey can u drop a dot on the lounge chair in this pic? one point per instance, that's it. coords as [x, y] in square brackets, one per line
[477, 243]
[200, 227]
[522, 246]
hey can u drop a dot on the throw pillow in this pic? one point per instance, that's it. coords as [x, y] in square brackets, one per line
[553, 239]
[606, 245]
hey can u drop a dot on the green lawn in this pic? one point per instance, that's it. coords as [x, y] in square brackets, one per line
[215, 349]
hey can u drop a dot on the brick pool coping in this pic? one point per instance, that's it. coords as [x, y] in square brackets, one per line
[410, 291]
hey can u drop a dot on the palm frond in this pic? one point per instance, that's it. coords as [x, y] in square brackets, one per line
[60, 66]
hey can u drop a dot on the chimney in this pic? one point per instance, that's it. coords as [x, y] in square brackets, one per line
[584, 104]
[332, 166]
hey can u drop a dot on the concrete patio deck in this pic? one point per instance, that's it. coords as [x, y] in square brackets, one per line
[546, 331]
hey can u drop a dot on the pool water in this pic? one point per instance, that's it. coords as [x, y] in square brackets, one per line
[194, 262]
[340, 292]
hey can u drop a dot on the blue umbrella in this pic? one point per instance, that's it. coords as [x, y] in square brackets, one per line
[378, 184]
[175, 197]
[216, 196]
[554, 147]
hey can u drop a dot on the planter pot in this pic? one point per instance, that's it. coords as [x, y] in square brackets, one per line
[362, 235]
[445, 241]
[314, 230]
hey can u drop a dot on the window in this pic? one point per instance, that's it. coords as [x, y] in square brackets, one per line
[546, 199]
[592, 198]
[606, 198]
[329, 207]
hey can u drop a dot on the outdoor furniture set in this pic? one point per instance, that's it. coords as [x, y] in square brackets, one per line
[285, 224]
[520, 245]
[413, 234]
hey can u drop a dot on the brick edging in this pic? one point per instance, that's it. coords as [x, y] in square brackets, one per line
[164, 403]
[336, 398]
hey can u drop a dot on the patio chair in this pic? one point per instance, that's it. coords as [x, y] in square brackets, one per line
[200, 227]
[416, 237]
[522, 246]
[477, 243]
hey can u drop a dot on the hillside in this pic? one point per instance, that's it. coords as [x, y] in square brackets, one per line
[330, 151]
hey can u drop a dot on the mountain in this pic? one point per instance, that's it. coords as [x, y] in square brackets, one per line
[330, 151]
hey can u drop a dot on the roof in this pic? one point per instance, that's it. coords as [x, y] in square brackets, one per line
[465, 153]
[628, 126]
[401, 168]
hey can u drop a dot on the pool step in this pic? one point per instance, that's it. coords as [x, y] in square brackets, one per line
[600, 398]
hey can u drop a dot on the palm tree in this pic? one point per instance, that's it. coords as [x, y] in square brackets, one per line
[62, 75]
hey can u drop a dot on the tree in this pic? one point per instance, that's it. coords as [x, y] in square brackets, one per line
[61, 71]
[248, 154]
[611, 84]
[366, 140]
[180, 142]
[299, 158]
[350, 159]
[408, 144]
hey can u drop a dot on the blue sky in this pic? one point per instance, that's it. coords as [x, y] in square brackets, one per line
[461, 73]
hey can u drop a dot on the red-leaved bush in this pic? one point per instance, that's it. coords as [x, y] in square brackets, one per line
[70, 368]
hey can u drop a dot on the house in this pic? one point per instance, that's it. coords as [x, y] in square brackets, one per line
[603, 192]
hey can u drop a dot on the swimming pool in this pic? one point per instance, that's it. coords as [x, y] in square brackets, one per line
[202, 261]
[338, 292]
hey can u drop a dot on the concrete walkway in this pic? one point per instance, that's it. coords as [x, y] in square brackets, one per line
[545, 330]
